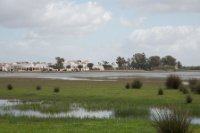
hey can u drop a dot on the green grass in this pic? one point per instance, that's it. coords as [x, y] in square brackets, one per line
[130, 105]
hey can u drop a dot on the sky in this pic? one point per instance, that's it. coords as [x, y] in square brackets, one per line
[97, 30]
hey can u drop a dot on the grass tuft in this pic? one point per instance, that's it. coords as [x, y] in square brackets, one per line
[172, 121]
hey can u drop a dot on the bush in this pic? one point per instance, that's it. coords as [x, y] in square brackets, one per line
[9, 87]
[189, 99]
[173, 82]
[127, 86]
[38, 87]
[192, 81]
[182, 87]
[185, 91]
[160, 91]
[196, 88]
[137, 84]
[172, 121]
[56, 89]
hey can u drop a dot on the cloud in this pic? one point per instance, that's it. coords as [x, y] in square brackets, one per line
[136, 23]
[164, 6]
[53, 16]
[180, 41]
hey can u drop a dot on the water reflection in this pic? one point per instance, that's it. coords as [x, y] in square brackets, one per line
[75, 112]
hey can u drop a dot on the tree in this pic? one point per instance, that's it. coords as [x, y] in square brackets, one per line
[90, 65]
[80, 67]
[168, 61]
[59, 63]
[139, 61]
[154, 61]
[106, 65]
[179, 65]
[68, 66]
[121, 62]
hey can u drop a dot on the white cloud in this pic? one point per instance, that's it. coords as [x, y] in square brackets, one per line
[53, 16]
[164, 5]
[181, 41]
[136, 23]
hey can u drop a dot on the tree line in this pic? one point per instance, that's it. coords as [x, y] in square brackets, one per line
[141, 62]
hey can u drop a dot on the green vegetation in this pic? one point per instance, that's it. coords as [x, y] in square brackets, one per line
[160, 91]
[189, 99]
[173, 82]
[136, 84]
[172, 121]
[196, 88]
[127, 86]
[9, 87]
[56, 89]
[130, 107]
[38, 87]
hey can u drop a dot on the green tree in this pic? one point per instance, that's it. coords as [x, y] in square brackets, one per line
[59, 63]
[168, 61]
[107, 65]
[154, 61]
[80, 67]
[90, 65]
[68, 66]
[179, 65]
[139, 61]
[121, 62]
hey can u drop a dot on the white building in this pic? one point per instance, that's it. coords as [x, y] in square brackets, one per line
[73, 65]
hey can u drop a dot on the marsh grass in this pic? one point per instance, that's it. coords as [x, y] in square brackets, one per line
[172, 121]
[131, 112]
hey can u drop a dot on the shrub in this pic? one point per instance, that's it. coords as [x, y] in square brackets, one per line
[173, 82]
[185, 91]
[38, 87]
[160, 91]
[189, 99]
[192, 81]
[182, 87]
[196, 88]
[137, 84]
[9, 87]
[56, 89]
[172, 121]
[127, 86]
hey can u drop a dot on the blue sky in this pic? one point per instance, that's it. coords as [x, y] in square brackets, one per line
[40, 30]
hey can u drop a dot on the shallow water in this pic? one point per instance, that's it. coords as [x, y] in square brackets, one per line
[106, 75]
[6, 108]
[75, 112]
